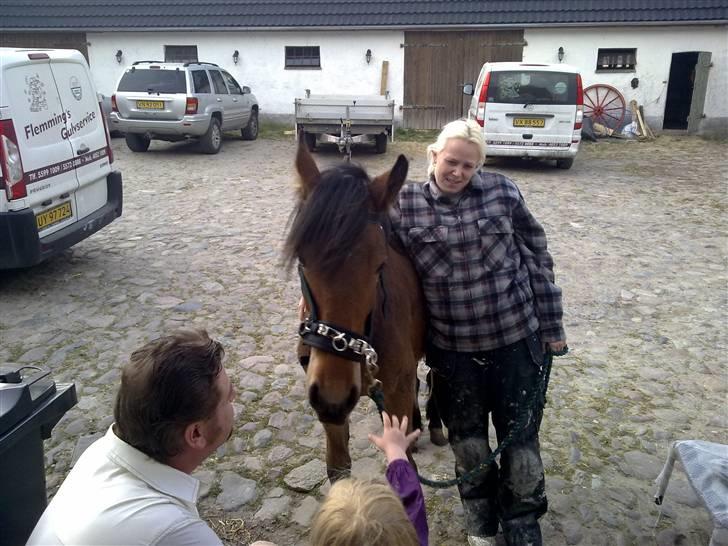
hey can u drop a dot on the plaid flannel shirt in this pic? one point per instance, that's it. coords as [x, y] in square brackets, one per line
[481, 256]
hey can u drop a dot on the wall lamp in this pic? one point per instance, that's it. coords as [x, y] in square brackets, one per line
[119, 56]
[236, 56]
[368, 56]
[560, 54]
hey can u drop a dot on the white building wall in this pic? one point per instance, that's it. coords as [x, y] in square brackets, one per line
[655, 46]
[262, 61]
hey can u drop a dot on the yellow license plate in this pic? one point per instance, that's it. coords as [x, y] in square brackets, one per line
[150, 105]
[53, 216]
[529, 122]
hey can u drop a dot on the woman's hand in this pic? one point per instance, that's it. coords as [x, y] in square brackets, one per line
[394, 440]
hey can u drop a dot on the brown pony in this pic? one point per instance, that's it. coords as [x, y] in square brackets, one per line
[362, 295]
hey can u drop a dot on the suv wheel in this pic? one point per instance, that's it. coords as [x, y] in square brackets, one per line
[381, 142]
[137, 143]
[565, 163]
[211, 141]
[250, 131]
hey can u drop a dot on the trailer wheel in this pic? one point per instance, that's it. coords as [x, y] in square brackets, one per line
[310, 139]
[381, 143]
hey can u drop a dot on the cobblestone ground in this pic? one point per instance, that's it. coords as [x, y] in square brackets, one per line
[638, 233]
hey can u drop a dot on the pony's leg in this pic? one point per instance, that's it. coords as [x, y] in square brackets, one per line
[338, 460]
[397, 404]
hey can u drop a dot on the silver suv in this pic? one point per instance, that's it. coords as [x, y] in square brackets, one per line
[179, 101]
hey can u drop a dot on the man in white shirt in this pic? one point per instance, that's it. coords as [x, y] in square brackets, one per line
[133, 486]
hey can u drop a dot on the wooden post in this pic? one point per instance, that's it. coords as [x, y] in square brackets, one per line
[385, 75]
[636, 117]
[647, 127]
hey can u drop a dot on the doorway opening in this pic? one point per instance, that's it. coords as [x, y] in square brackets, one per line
[680, 90]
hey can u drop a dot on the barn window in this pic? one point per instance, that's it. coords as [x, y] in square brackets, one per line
[616, 60]
[303, 57]
[180, 54]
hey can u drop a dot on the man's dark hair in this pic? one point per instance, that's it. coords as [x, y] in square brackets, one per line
[168, 384]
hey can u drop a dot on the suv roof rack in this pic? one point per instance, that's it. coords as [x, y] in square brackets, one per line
[141, 62]
[200, 62]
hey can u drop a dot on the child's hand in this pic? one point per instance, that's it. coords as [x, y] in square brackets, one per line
[394, 440]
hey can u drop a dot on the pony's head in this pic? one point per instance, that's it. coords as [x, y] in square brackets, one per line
[338, 236]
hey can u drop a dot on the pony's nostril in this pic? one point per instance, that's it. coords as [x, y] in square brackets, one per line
[332, 411]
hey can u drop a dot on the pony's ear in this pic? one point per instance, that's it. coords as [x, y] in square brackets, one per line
[308, 173]
[386, 186]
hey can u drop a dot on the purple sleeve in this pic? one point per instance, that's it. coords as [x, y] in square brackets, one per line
[403, 479]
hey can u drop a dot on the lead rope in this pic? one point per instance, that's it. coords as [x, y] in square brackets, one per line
[536, 399]
[375, 389]
[375, 385]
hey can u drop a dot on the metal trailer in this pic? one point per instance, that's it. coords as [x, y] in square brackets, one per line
[345, 120]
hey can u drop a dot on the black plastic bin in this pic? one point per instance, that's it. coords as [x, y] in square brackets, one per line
[30, 406]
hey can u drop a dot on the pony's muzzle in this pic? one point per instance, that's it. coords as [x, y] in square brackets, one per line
[330, 411]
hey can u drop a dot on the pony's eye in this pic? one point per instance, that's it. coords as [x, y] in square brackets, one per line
[380, 268]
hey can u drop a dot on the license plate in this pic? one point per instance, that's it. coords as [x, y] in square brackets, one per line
[53, 216]
[529, 122]
[150, 105]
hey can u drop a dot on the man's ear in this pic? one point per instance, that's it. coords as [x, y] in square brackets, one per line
[194, 435]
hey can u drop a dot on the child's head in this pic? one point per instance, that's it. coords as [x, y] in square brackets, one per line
[360, 513]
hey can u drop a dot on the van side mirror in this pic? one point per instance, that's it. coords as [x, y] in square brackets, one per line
[246, 90]
[468, 89]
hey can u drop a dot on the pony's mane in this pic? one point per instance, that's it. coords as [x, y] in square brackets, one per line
[330, 221]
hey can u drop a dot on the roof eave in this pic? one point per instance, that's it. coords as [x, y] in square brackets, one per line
[369, 27]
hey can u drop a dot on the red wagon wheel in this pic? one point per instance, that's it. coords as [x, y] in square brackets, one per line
[605, 105]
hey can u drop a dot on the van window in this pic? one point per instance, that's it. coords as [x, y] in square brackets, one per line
[153, 81]
[532, 87]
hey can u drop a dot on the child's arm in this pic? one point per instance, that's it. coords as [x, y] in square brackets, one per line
[394, 442]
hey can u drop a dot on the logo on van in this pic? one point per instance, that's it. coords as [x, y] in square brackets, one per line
[36, 93]
[76, 88]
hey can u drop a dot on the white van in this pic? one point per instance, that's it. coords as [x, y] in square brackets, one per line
[57, 185]
[529, 110]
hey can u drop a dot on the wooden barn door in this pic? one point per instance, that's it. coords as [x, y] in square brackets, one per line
[437, 64]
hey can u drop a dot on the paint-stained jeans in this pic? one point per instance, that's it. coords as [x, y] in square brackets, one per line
[498, 383]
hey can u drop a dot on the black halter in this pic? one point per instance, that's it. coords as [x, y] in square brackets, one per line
[334, 339]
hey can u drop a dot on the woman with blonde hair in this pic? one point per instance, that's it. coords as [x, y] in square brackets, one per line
[364, 513]
[494, 309]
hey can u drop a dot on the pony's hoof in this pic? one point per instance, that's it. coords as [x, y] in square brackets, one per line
[437, 437]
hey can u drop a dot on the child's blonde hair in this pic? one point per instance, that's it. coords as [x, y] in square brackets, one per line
[467, 129]
[362, 513]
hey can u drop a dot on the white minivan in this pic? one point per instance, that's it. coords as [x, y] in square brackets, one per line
[57, 185]
[529, 110]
